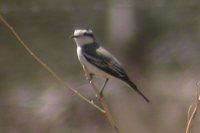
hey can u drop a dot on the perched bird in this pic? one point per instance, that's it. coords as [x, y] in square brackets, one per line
[97, 61]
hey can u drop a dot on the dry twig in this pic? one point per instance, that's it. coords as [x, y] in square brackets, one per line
[104, 106]
[192, 113]
[104, 109]
[46, 67]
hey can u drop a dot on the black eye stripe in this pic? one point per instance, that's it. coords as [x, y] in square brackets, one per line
[88, 34]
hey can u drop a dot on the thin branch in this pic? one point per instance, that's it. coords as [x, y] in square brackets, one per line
[190, 111]
[194, 112]
[105, 107]
[46, 67]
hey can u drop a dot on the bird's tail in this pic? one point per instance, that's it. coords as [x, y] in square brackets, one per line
[133, 86]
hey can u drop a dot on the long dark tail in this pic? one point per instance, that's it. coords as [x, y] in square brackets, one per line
[132, 85]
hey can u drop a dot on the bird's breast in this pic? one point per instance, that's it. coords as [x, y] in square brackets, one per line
[92, 68]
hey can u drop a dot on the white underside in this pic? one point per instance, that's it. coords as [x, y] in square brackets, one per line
[91, 69]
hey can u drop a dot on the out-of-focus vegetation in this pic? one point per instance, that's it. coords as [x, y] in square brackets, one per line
[156, 41]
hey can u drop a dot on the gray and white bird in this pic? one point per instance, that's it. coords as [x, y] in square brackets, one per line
[97, 61]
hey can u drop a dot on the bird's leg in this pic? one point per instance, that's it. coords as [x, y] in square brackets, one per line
[101, 92]
[90, 77]
[87, 74]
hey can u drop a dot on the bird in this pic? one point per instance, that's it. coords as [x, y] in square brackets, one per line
[99, 62]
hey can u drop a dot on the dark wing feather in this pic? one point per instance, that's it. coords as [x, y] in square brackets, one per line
[102, 59]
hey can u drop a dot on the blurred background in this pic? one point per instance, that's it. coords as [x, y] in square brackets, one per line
[156, 41]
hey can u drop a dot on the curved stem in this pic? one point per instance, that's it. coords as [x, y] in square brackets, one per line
[46, 67]
[194, 112]
[105, 107]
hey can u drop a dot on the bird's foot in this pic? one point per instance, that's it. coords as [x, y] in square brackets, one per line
[89, 77]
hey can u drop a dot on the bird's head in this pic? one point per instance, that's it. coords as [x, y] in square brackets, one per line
[83, 36]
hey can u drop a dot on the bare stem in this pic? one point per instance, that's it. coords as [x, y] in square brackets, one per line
[46, 67]
[194, 111]
[105, 107]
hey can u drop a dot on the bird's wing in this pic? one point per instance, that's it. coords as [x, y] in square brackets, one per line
[102, 59]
